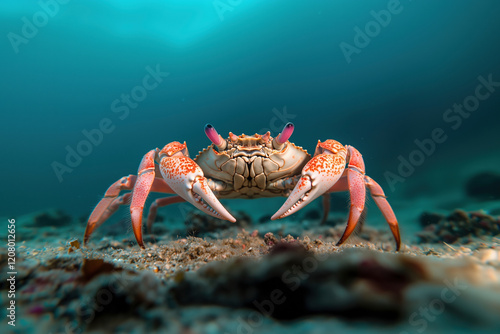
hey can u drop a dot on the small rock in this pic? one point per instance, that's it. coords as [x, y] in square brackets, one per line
[318, 242]
[93, 267]
[460, 226]
[488, 255]
[430, 218]
[458, 216]
[287, 247]
[75, 243]
[270, 239]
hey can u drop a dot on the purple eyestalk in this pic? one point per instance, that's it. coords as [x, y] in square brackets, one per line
[285, 134]
[213, 135]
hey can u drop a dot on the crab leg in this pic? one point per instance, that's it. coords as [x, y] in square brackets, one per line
[105, 209]
[143, 185]
[384, 206]
[357, 191]
[158, 203]
[186, 178]
[111, 201]
[379, 197]
[356, 183]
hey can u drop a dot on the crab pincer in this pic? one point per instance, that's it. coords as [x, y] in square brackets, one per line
[187, 180]
[318, 176]
[326, 172]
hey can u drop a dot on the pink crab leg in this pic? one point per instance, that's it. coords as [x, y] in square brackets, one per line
[160, 202]
[384, 206]
[357, 191]
[145, 179]
[102, 212]
[121, 200]
[318, 176]
[380, 199]
[105, 209]
[111, 202]
[186, 178]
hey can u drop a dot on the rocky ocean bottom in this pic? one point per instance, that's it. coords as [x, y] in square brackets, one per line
[203, 275]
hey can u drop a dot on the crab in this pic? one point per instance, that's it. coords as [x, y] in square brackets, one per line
[245, 167]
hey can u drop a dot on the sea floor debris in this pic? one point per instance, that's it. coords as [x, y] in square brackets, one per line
[458, 227]
[255, 280]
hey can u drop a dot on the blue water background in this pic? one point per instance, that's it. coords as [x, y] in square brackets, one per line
[238, 71]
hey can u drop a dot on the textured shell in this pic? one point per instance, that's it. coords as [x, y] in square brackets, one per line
[249, 166]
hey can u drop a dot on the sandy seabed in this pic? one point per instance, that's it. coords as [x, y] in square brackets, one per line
[206, 276]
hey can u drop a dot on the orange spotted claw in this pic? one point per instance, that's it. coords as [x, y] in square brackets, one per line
[318, 176]
[186, 179]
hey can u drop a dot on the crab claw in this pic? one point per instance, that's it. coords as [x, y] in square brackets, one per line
[186, 179]
[300, 197]
[202, 197]
[318, 176]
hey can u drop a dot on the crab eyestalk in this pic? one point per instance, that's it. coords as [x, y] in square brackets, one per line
[214, 137]
[280, 140]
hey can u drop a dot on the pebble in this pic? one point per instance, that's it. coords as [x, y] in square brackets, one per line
[465, 249]
[488, 255]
